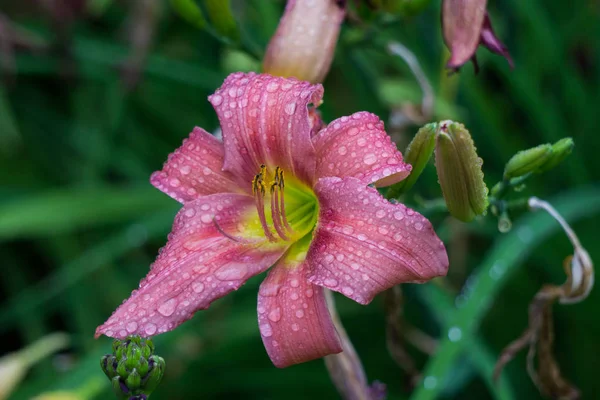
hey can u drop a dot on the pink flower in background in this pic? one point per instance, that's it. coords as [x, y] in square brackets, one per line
[277, 192]
[466, 25]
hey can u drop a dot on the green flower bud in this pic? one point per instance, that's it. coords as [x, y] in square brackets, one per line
[527, 161]
[560, 151]
[418, 154]
[459, 172]
[133, 370]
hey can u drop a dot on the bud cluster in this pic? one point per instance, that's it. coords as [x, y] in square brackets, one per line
[133, 369]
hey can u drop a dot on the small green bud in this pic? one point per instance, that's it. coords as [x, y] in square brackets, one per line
[560, 151]
[134, 353]
[119, 388]
[157, 365]
[417, 154]
[108, 363]
[459, 172]
[134, 380]
[527, 161]
[122, 368]
[143, 366]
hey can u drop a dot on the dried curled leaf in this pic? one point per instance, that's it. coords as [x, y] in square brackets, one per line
[539, 336]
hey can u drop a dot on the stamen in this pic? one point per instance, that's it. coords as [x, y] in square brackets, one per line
[259, 190]
[282, 201]
[275, 211]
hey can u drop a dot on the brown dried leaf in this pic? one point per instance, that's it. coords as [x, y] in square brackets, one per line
[539, 337]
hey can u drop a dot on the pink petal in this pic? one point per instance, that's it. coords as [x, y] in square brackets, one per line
[491, 41]
[304, 43]
[358, 146]
[194, 169]
[265, 121]
[293, 318]
[364, 244]
[462, 21]
[197, 266]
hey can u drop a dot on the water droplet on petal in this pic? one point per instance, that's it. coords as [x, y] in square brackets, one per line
[290, 108]
[150, 329]
[232, 272]
[342, 150]
[370, 159]
[330, 282]
[131, 326]
[265, 329]
[295, 327]
[299, 314]
[272, 86]
[216, 100]
[347, 291]
[206, 218]
[198, 287]
[168, 307]
[399, 215]
[275, 314]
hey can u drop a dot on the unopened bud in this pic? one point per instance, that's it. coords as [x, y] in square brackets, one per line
[459, 172]
[417, 154]
[466, 25]
[304, 43]
[560, 151]
[527, 161]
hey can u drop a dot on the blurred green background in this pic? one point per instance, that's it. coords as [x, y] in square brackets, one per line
[95, 95]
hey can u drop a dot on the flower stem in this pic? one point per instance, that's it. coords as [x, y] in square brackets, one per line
[345, 368]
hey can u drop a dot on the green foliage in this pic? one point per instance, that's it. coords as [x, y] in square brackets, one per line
[80, 224]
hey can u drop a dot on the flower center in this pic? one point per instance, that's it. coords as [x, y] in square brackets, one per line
[287, 208]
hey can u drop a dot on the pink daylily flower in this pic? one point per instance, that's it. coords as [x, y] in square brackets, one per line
[277, 192]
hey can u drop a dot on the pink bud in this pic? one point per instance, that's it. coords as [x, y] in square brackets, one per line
[304, 43]
[466, 25]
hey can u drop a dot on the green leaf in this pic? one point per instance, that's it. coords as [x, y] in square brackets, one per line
[68, 210]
